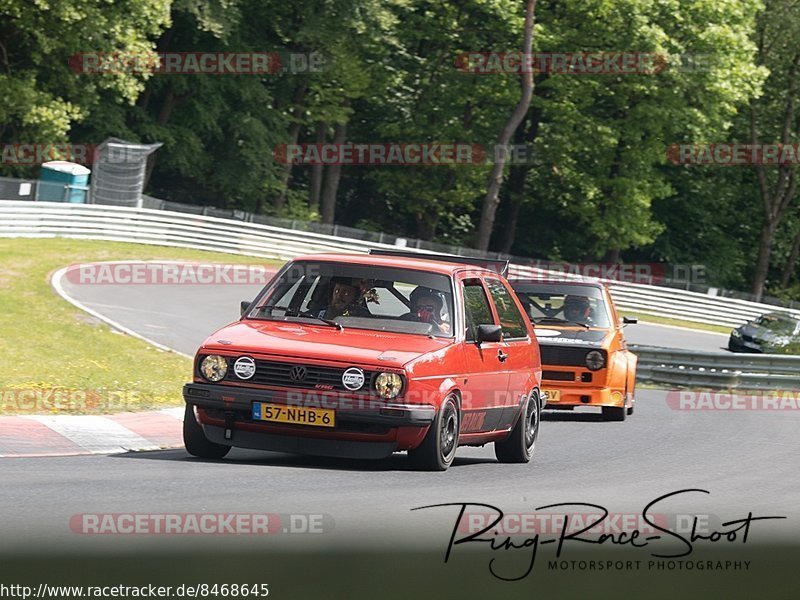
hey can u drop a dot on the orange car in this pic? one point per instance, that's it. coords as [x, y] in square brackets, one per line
[585, 360]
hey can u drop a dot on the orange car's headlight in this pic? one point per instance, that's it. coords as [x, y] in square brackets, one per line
[595, 360]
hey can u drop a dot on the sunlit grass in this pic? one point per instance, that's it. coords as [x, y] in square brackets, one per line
[58, 360]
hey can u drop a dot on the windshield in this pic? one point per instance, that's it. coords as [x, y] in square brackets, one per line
[554, 305]
[777, 323]
[360, 296]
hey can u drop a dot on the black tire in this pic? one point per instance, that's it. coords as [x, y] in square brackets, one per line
[614, 413]
[196, 442]
[437, 450]
[630, 396]
[519, 445]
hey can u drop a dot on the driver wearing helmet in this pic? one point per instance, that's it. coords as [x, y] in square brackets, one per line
[426, 307]
[578, 309]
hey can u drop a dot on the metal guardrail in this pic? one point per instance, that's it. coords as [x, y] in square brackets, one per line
[717, 370]
[202, 232]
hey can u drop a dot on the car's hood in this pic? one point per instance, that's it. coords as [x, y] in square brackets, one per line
[323, 343]
[570, 336]
[759, 333]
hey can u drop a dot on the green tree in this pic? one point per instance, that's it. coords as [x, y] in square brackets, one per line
[41, 97]
[602, 139]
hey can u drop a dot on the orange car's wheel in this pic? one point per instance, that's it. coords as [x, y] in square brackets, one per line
[518, 446]
[630, 409]
[614, 413]
[196, 442]
[438, 449]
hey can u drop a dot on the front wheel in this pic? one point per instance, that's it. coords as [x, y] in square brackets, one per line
[438, 449]
[614, 413]
[196, 442]
[518, 446]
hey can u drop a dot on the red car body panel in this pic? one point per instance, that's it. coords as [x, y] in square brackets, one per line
[490, 391]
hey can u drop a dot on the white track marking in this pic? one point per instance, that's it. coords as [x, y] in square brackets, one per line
[98, 435]
[175, 413]
[55, 281]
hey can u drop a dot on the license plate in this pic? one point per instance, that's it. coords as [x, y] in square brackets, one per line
[552, 395]
[294, 415]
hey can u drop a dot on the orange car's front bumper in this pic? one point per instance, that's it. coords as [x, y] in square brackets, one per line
[575, 395]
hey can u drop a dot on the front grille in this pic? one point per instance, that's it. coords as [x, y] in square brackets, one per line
[558, 375]
[568, 357]
[315, 377]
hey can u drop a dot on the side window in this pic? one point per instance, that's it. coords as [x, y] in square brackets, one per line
[476, 307]
[511, 320]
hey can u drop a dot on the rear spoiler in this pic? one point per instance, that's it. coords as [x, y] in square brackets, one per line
[497, 266]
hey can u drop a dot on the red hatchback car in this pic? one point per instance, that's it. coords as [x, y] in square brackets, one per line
[362, 356]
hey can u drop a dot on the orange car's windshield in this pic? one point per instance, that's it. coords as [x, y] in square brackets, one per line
[360, 296]
[573, 305]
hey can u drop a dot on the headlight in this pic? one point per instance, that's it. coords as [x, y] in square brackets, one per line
[595, 360]
[388, 385]
[736, 333]
[214, 367]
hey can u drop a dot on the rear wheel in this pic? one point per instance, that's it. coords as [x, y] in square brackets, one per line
[518, 446]
[196, 442]
[438, 449]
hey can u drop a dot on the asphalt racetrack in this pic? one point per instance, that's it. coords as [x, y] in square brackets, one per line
[722, 466]
[181, 316]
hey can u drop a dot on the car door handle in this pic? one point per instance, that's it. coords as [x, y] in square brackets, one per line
[501, 356]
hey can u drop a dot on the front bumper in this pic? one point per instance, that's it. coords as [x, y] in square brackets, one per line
[583, 396]
[365, 428]
[739, 345]
[372, 411]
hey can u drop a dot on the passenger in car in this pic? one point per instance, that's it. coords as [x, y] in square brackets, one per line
[345, 300]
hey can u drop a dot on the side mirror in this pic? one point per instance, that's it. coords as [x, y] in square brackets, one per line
[243, 306]
[489, 333]
[629, 320]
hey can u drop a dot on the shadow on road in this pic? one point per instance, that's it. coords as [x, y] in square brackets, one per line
[396, 462]
[565, 415]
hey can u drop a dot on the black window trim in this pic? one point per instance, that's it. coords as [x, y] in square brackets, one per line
[512, 295]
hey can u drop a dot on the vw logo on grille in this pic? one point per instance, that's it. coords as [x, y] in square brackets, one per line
[298, 373]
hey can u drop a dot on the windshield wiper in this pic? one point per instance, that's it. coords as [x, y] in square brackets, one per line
[290, 312]
[307, 315]
[560, 320]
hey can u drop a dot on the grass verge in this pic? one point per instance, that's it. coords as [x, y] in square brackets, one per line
[647, 318]
[59, 360]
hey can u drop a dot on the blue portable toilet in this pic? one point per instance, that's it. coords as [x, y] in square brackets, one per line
[63, 181]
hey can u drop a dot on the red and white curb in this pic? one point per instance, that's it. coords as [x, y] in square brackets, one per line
[70, 435]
